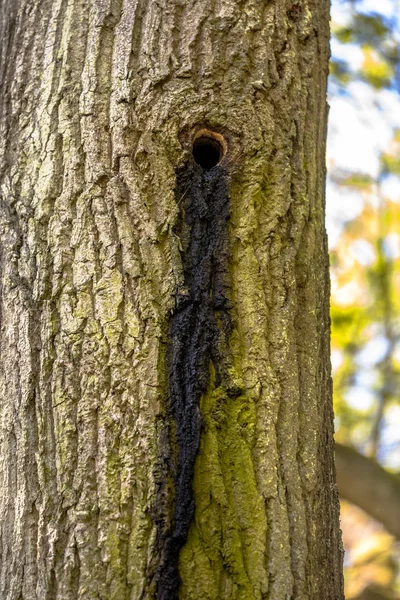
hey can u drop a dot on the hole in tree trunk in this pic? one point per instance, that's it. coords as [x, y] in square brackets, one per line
[208, 149]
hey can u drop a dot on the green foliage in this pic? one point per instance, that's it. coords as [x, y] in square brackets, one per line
[363, 29]
[390, 164]
[365, 269]
[360, 181]
[376, 37]
[340, 71]
[377, 70]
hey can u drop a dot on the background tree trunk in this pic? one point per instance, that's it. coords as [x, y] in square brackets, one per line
[114, 485]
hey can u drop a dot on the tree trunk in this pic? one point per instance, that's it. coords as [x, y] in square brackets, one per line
[166, 418]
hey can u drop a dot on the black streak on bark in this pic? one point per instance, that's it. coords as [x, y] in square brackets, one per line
[199, 329]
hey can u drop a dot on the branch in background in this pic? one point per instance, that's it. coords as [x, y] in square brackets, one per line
[375, 593]
[365, 483]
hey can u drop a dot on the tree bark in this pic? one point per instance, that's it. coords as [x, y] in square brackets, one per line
[166, 416]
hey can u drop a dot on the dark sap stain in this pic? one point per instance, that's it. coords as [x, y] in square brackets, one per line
[198, 332]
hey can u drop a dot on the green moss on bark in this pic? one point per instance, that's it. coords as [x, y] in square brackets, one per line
[224, 555]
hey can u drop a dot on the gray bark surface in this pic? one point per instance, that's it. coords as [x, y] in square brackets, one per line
[101, 100]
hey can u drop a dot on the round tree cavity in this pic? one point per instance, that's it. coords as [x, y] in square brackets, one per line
[207, 152]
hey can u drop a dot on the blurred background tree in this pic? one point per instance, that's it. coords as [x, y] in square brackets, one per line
[363, 220]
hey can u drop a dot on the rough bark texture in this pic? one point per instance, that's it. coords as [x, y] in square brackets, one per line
[106, 439]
